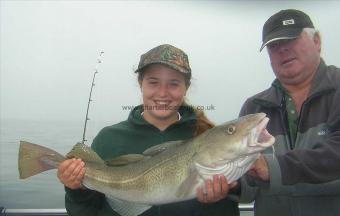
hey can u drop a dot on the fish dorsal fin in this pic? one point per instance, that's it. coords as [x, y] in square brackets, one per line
[127, 208]
[125, 160]
[162, 147]
[84, 152]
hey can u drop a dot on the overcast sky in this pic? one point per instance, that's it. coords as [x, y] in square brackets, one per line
[49, 50]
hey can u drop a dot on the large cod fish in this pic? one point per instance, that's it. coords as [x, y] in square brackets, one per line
[169, 172]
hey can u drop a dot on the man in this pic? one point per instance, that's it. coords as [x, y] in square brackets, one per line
[303, 105]
[299, 165]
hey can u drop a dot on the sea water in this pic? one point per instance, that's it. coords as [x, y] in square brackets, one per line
[43, 190]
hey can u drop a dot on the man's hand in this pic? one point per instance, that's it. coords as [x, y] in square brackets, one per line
[259, 169]
[214, 190]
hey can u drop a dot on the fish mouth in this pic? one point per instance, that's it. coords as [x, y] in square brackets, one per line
[260, 137]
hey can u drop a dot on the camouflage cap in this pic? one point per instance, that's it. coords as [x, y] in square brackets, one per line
[167, 55]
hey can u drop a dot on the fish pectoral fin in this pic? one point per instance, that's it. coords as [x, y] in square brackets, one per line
[125, 160]
[127, 208]
[188, 184]
[162, 147]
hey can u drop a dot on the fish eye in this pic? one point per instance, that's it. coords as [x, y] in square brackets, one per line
[231, 129]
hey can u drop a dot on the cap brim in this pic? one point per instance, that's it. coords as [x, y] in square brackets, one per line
[173, 66]
[283, 34]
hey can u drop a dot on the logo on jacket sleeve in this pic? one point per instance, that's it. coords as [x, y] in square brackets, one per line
[323, 132]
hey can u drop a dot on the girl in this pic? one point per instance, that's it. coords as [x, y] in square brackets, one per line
[164, 76]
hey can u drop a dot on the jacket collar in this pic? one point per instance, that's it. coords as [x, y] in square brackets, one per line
[322, 81]
[135, 116]
[273, 97]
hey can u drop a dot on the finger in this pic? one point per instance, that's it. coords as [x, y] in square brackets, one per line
[224, 185]
[210, 190]
[72, 168]
[78, 167]
[69, 175]
[76, 183]
[80, 175]
[200, 195]
[63, 166]
[217, 185]
[78, 170]
[71, 172]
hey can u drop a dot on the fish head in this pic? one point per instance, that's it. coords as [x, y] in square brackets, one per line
[241, 137]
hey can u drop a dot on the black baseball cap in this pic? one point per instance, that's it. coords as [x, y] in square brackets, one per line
[286, 24]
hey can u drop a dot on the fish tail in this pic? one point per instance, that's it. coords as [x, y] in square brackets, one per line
[34, 159]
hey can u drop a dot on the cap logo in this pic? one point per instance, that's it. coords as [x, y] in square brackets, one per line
[288, 22]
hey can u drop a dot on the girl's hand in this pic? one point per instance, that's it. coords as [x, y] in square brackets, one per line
[71, 173]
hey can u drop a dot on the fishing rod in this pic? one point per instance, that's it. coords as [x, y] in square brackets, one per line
[99, 60]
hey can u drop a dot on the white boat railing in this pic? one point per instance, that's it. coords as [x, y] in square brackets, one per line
[33, 212]
[62, 212]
